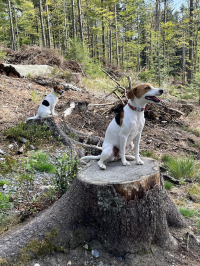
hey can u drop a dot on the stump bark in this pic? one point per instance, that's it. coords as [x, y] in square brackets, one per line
[125, 208]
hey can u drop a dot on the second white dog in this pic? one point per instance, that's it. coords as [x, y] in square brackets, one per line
[47, 107]
[127, 126]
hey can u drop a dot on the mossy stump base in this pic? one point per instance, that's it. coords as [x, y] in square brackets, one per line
[126, 208]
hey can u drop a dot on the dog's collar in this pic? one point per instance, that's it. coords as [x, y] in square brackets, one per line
[138, 109]
[55, 93]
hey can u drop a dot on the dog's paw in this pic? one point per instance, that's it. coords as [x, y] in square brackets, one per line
[140, 162]
[126, 163]
[130, 158]
[101, 165]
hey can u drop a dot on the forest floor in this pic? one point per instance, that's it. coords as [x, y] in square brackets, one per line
[20, 98]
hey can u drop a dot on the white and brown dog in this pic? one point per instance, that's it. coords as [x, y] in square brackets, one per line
[47, 107]
[127, 126]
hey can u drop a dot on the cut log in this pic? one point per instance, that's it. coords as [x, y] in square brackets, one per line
[125, 208]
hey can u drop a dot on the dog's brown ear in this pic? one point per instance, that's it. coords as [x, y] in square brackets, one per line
[131, 93]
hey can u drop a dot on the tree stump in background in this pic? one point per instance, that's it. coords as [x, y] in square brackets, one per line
[125, 208]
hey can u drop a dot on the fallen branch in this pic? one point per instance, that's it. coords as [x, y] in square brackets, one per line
[67, 86]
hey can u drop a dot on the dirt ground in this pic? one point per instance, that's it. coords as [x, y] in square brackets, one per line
[162, 134]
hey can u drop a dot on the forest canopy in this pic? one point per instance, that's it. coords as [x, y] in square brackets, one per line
[128, 34]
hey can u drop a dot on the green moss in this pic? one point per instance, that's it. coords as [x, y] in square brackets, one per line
[36, 249]
[4, 262]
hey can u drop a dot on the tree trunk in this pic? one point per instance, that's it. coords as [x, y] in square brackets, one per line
[125, 208]
[116, 35]
[11, 27]
[183, 59]
[42, 24]
[48, 25]
[110, 45]
[80, 21]
[103, 32]
[73, 20]
[190, 61]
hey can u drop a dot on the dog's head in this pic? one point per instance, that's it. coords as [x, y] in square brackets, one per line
[146, 92]
[58, 89]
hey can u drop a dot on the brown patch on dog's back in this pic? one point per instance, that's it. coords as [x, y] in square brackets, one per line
[139, 90]
[119, 118]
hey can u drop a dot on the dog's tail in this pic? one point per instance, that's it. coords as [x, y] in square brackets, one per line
[33, 117]
[91, 157]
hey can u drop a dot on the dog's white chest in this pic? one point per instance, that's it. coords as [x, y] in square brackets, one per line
[135, 129]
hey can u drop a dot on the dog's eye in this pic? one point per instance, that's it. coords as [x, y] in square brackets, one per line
[146, 88]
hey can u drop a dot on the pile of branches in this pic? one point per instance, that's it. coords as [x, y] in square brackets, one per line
[35, 55]
[157, 112]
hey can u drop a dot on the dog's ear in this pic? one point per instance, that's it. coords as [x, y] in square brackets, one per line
[131, 93]
[55, 87]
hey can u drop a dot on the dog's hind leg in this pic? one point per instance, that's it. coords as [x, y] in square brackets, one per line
[105, 155]
[129, 148]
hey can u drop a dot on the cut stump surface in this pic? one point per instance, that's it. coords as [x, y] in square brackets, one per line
[132, 181]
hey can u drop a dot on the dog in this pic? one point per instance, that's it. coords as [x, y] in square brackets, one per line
[127, 126]
[47, 107]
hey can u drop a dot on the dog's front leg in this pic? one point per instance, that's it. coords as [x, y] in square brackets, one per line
[137, 144]
[53, 110]
[122, 149]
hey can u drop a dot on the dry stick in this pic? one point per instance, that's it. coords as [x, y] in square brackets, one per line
[97, 104]
[119, 98]
[119, 86]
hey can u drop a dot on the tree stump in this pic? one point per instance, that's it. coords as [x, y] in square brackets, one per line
[129, 207]
[125, 208]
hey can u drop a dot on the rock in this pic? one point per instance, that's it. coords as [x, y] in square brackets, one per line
[95, 253]
[5, 187]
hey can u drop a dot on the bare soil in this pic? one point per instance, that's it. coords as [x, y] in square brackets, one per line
[20, 98]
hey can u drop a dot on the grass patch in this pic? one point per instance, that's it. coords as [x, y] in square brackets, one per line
[39, 161]
[98, 84]
[66, 170]
[194, 131]
[181, 168]
[4, 202]
[36, 96]
[149, 154]
[187, 212]
[180, 202]
[3, 182]
[168, 185]
[194, 191]
[36, 134]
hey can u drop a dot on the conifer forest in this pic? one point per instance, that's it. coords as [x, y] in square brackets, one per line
[160, 35]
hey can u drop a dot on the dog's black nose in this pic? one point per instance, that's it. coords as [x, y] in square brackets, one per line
[161, 91]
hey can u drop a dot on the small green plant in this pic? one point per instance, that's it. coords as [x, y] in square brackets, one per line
[66, 170]
[187, 212]
[8, 165]
[2, 54]
[181, 168]
[168, 185]
[149, 154]
[36, 134]
[3, 182]
[39, 161]
[4, 202]
[36, 96]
